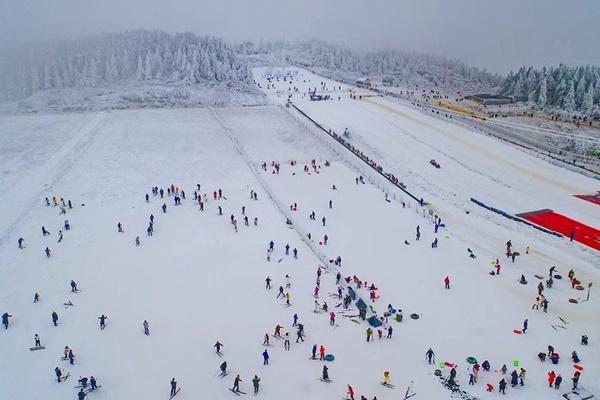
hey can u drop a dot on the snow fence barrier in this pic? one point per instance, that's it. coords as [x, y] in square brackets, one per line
[514, 218]
[386, 177]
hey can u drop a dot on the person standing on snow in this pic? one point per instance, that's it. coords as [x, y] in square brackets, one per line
[266, 357]
[322, 353]
[430, 355]
[332, 318]
[447, 282]
[350, 392]
[236, 383]
[146, 328]
[325, 375]
[173, 387]
[102, 319]
[255, 383]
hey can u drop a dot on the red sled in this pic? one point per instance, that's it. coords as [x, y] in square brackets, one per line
[518, 331]
[578, 367]
[449, 364]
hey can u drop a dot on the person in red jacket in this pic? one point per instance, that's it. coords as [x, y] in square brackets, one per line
[322, 353]
[551, 377]
[332, 318]
[447, 282]
[350, 392]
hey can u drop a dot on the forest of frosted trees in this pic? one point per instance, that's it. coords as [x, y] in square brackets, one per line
[122, 57]
[405, 68]
[563, 90]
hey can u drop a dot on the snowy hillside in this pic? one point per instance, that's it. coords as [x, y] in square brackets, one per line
[201, 276]
[402, 68]
[124, 70]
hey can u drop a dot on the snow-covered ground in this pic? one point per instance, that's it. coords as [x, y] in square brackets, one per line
[197, 281]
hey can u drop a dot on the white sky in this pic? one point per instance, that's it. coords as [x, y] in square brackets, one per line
[499, 35]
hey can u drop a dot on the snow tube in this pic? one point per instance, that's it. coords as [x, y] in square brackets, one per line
[448, 364]
[579, 287]
[578, 367]
[414, 316]
[557, 276]
[539, 276]
[329, 357]
[517, 331]
[573, 301]
[471, 360]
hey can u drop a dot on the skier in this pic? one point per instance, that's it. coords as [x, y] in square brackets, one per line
[146, 328]
[119, 227]
[386, 378]
[522, 377]
[575, 357]
[5, 318]
[20, 243]
[295, 251]
[73, 286]
[323, 220]
[173, 387]
[332, 318]
[389, 332]
[280, 292]
[300, 333]
[218, 346]
[418, 232]
[277, 330]
[255, 383]
[447, 282]
[325, 238]
[44, 231]
[223, 368]
[514, 378]
[71, 356]
[557, 382]
[330, 204]
[58, 373]
[47, 251]
[350, 392]
[265, 355]
[295, 323]
[266, 339]
[525, 325]
[287, 249]
[369, 334]
[431, 356]
[314, 352]
[164, 208]
[322, 353]
[93, 384]
[236, 383]
[551, 378]
[268, 283]
[325, 376]
[38, 343]
[102, 319]
[83, 382]
[286, 341]
[502, 386]
[137, 241]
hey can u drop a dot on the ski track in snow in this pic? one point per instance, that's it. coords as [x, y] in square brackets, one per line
[45, 176]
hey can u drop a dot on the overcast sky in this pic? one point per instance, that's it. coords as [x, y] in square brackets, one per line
[499, 35]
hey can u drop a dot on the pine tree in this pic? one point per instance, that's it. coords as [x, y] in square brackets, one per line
[542, 92]
[569, 98]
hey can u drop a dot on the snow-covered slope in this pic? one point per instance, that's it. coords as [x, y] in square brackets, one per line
[196, 280]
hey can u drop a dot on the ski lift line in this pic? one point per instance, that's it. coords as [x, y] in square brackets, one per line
[370, 166]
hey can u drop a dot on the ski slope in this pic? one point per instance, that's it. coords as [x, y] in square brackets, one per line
[197, 281]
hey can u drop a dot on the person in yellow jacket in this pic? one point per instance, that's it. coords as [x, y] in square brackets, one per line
[386, 378]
